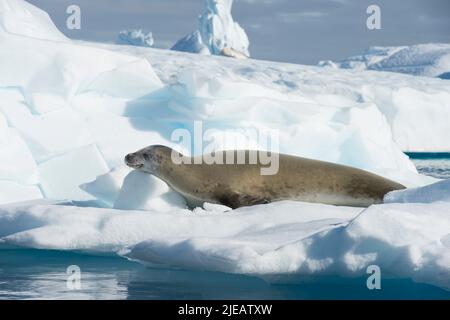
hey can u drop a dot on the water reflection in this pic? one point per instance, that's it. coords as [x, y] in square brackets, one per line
[39, 274]
[33, 274]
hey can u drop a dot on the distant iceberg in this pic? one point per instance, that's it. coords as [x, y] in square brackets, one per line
[218, 33]
[135, 38]
[430, 60]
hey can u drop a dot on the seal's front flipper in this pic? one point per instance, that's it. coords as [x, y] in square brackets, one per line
[235, 200]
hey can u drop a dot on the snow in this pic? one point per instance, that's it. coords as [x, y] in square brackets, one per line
[404, 240]
[70, 111]
[16, 162]
[38, 130]
[135, 38]
[61, 176]
[111, 230]
[312, 90]
[430, 60]
[11, 192]
[439, 191]
[218, 33]
[141, 191]
[106, 187]
[21, 18]
[131, 80]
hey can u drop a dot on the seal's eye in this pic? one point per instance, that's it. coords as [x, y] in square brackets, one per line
[146, 157]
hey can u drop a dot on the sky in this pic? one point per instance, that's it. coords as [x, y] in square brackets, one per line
[297, 31]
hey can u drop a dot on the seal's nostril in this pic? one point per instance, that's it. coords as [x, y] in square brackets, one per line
[128, 158]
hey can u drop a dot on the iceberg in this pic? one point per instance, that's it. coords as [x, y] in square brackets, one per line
[71, 110]
[400, 239]
[192, 43]
[122, 99]
[218, 33]
[429, 60]
[285, 238]
[135, 38]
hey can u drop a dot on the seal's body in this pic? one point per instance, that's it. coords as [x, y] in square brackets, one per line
[240, 185]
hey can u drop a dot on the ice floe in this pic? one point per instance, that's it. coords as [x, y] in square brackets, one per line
[70, 111]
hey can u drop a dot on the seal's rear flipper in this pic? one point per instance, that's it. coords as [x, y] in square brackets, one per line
[235, 200]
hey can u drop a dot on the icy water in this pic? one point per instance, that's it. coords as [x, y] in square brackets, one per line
[36, 274]
[41, 274]
[432, 164]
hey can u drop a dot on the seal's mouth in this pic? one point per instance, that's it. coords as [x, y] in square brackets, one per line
[135, 166]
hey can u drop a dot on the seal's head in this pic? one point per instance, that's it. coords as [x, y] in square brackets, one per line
[148, 159]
